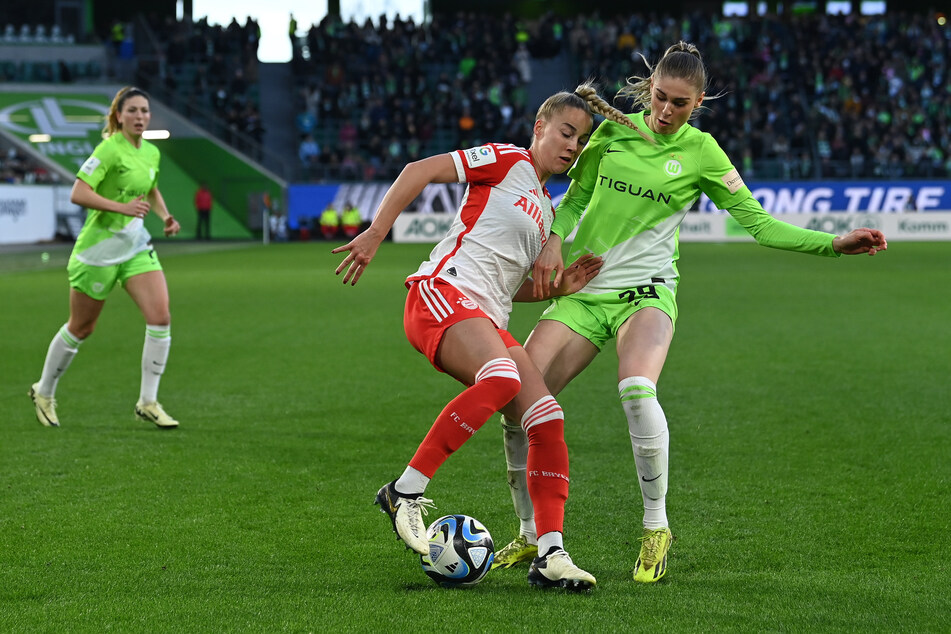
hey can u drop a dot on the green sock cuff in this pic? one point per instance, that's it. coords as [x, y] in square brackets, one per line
[158, 332]
[71, 340]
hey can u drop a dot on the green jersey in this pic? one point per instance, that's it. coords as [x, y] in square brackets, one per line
[119, 171]
[637, 194]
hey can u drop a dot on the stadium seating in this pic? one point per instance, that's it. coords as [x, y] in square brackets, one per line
[791, 97]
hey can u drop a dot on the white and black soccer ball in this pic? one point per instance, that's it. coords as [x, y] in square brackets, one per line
[460, 551]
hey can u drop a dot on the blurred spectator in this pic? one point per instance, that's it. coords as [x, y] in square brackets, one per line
[330, 223]
[203, 204]
[277, 224]
[523, 62]
[309, 152]
[17, 169]
[351, 221]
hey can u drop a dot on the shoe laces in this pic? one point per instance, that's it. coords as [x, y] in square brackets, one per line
[560, 554]
[517, 544]
[422, 504]
[650, 546]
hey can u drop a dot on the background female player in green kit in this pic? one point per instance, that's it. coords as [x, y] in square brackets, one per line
[636, 194]
[118, 184]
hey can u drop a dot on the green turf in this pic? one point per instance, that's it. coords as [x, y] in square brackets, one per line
[810, 453]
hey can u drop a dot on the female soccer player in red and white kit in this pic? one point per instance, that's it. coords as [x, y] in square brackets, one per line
[457, 310]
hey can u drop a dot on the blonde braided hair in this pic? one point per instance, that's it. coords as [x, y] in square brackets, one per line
[589, 93]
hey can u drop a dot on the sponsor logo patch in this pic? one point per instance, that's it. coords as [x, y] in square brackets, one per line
[477, 156]
[90, 166]
[732, 180]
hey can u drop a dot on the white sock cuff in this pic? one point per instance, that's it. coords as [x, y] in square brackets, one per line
[158, 332]
[543, 410]
[508, 423]
[501, 367]
[636, 387]
[71, 340]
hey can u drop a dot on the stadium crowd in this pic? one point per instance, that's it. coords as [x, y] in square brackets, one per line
[17, 168]
[210, 73]
[374, 97]
[791, 97]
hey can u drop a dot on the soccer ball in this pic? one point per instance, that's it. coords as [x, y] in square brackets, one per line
[460, 551]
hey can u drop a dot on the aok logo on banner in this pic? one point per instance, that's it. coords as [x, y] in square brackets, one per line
[73, 124]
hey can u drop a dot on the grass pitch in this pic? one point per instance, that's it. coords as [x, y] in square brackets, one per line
[810, 444]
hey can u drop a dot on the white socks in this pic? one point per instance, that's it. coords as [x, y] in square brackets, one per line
[62, 349]
[158, 340]
[551, 539]
[515, 441]
[651, 442]
[412, 481]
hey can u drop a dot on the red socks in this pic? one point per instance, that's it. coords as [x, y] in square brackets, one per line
[496, 384]
[544, 422]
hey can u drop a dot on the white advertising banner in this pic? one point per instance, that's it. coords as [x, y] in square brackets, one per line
[27, 214]
[421, 227]
[908, 226]
[721, 227]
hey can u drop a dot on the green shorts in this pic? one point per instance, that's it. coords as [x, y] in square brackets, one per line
[597, 318]
[98, 281]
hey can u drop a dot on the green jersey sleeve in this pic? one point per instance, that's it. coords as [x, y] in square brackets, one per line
[95, 168]
[770, 232]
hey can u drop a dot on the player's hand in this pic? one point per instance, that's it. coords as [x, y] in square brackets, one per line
[861, 240]
[171, 226]
[138, 208]
[549, 260]
[360, 252]
[579, 274]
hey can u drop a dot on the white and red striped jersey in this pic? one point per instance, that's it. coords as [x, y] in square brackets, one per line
[500, 229]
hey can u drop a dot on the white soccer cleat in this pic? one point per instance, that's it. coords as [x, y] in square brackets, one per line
[45, 407]
[556, 569]
[406, 513]
[154, 413]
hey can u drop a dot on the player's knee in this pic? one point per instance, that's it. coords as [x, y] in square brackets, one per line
[81, 330]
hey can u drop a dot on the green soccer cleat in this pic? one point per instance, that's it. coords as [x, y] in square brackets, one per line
[652, 561]
[515, 553]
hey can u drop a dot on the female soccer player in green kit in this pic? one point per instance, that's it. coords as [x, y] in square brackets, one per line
[118, 184]
[636, 194]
